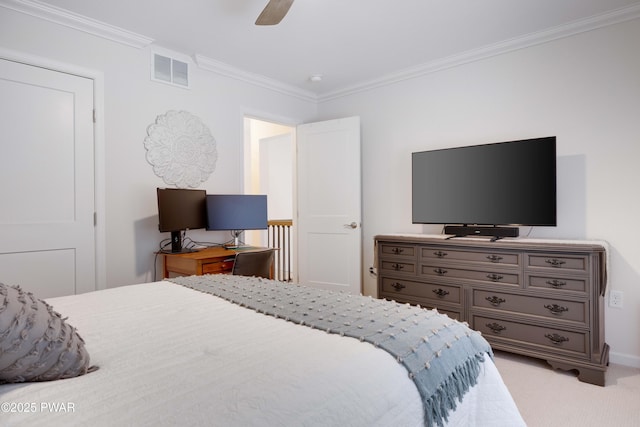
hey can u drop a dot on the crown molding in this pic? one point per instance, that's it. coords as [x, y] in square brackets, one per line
[91, 26]
[573, 28]
[230, 71]
[78, 22]
[119, 35]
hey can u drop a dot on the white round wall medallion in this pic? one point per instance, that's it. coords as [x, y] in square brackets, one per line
[181, 149]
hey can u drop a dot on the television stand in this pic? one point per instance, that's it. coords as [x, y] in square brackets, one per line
[496, 233]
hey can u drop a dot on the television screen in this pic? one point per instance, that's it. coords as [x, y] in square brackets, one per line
[181, 209]
[236, 212]
[508, 183]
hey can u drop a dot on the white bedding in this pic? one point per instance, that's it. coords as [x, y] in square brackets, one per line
[169, 355]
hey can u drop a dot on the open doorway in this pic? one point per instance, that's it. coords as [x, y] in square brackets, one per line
[269, 169]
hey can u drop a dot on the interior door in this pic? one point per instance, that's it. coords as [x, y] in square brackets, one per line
[329, 205]
[47, 238]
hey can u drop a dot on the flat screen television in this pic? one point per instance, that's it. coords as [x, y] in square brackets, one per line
[236, 212]
[180, 210]
[470, 188]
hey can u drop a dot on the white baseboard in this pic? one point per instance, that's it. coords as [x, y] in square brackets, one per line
[624, 359]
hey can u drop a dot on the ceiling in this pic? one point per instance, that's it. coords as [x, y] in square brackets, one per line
[351, 43]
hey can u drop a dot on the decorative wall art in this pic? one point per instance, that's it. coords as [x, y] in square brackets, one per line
[181, 149]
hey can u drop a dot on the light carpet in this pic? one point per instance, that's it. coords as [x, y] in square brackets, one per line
[548, 398]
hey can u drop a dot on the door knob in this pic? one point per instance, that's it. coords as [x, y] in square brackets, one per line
[352, 225]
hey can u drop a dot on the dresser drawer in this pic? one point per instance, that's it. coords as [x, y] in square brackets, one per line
[454, 314]
[397, 250]
[555, 340]
[577, 263]
[490, 258]
[558, 283]
[451, 311]
[442, 271]
[437, 293]
[557, 309]
[397, 266]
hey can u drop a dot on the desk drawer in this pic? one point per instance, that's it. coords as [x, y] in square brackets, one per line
[217, 267]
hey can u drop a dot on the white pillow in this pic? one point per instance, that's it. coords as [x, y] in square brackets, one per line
[36, 344]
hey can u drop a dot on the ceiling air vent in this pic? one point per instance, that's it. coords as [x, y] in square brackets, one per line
[170, 70]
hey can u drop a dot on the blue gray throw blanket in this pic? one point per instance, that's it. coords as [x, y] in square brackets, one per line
[442, 355]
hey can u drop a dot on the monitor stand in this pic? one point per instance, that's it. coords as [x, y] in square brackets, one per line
[176, 243]
[236, 240]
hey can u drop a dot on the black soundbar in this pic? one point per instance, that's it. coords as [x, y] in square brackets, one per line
[478, 230]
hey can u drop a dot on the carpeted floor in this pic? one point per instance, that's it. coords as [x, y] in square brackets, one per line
[549, 398]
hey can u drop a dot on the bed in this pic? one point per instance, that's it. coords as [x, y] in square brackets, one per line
[171, 353]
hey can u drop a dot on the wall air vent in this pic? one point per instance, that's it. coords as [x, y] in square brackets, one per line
[169, 70]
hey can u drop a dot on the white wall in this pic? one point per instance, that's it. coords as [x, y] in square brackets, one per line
[255, 131]
[131, 103]
[268, 171]
[584, 89]
[276, 174]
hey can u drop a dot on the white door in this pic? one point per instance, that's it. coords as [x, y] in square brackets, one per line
[47, 240]
[329, 205]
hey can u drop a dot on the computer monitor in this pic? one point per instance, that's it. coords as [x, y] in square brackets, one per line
[180, 210]
[236, 212]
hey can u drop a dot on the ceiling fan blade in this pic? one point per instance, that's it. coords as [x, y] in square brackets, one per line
[273, 12]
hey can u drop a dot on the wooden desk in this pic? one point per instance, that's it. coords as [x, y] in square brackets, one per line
[205, 261]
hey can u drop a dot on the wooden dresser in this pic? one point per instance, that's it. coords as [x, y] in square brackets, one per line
[540, 298]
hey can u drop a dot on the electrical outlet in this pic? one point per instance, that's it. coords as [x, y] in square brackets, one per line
[615, 299]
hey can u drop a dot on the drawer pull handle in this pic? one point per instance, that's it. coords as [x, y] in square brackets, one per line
[440, 292]
[556, 283]
[495, 301]
[398, 286]
[556, 309]
[397, 266]
[554, 262]
[494, 258]
[495, 327]
[440, 271]
[397, 251]
[494, 277]
[440, 254]
[556, 339]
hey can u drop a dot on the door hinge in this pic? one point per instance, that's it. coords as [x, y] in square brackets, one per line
[94, 115]
[95, 219]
